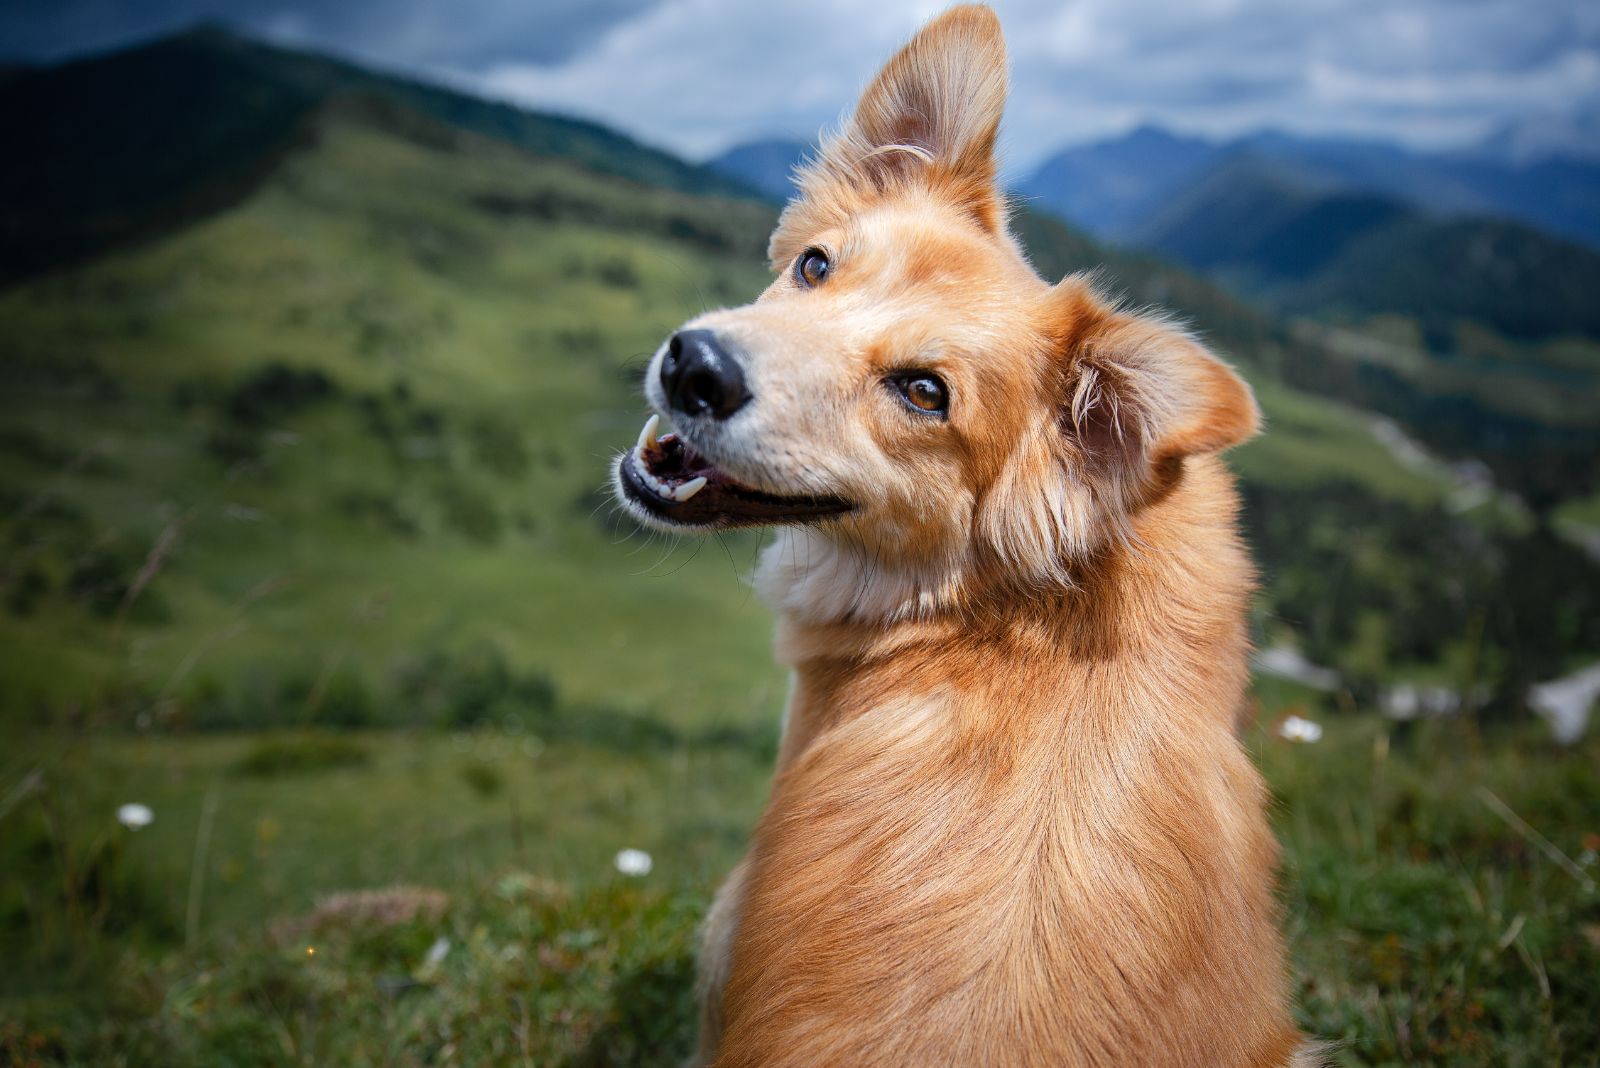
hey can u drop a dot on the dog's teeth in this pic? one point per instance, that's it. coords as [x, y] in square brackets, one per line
[647, 436]
[689, 488]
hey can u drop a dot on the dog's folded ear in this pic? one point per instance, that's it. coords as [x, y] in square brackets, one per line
[1141, 394]
[929, 117]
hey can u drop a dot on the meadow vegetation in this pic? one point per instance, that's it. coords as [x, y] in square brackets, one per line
[1427, 925]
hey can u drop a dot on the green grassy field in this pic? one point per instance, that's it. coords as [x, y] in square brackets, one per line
[1427, 926]
[308, 549]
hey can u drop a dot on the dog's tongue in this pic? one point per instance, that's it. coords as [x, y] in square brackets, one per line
[673, 469]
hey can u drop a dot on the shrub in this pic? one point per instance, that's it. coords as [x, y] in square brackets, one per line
[26, 589]
[483, 779]
[466, 687]
[276, 390]
[468, 512]
[99, 580]
[298, 753]
[499, 447]
[378, 510]
[617, 272]
[341, 701]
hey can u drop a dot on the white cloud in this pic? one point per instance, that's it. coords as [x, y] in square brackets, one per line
[697, 75]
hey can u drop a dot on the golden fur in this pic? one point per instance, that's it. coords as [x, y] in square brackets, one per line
[1011, 822]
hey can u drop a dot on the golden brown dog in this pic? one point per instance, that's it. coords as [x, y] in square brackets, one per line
[1011, 822]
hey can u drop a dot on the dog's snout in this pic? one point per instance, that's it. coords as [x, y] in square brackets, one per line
[702, 377]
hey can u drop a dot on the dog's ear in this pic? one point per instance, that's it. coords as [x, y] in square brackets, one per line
[930, 116]
[1140, 394]
[1130, 398]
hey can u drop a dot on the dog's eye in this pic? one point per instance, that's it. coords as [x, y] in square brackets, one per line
[923, 392]
[812, 267]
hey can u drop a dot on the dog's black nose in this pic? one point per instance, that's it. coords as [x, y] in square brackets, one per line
[700, 377]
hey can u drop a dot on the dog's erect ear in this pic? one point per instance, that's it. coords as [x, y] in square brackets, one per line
[1141, 394]
[930, 115]
[941, 96]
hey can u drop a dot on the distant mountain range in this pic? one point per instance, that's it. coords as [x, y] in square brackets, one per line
[1114, 188]
[1574, 136]
[1304, 244]
[1329, 227]
[1352, 227]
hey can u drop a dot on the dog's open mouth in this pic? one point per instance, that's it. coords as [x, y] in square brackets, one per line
[673, 483]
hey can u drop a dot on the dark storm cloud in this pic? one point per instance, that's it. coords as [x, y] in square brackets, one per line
[422, 33]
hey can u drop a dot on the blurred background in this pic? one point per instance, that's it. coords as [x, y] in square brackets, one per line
[345, 720]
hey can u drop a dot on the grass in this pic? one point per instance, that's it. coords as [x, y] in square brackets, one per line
[294, 815]
[1425, 927]
[1584, 511]
[1310, 441]
[1552, 381]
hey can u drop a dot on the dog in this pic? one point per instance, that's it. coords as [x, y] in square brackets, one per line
[1011, 821]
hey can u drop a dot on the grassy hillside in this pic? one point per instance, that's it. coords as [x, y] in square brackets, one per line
[373, 404]
[121, 147]
[1504, 275]
[1425, 928]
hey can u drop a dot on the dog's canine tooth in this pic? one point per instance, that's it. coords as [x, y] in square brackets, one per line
[689, 488]
[647, 435]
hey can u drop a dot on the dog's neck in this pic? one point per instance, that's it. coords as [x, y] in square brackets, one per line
[1157, 618]
[810, 577]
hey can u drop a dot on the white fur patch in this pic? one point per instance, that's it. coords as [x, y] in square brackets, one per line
[816, 578]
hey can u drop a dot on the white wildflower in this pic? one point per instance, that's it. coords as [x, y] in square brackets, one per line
[634, 862]
[135, 816]
[1296, 729]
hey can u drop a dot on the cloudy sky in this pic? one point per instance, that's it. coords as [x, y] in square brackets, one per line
[698, 75]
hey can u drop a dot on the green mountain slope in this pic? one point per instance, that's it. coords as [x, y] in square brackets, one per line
[1263, 227]
[125, 145]
[1294, 242]
[374, 401]
[1505, 275]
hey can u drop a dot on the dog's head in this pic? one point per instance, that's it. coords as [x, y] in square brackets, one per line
[908, 400]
